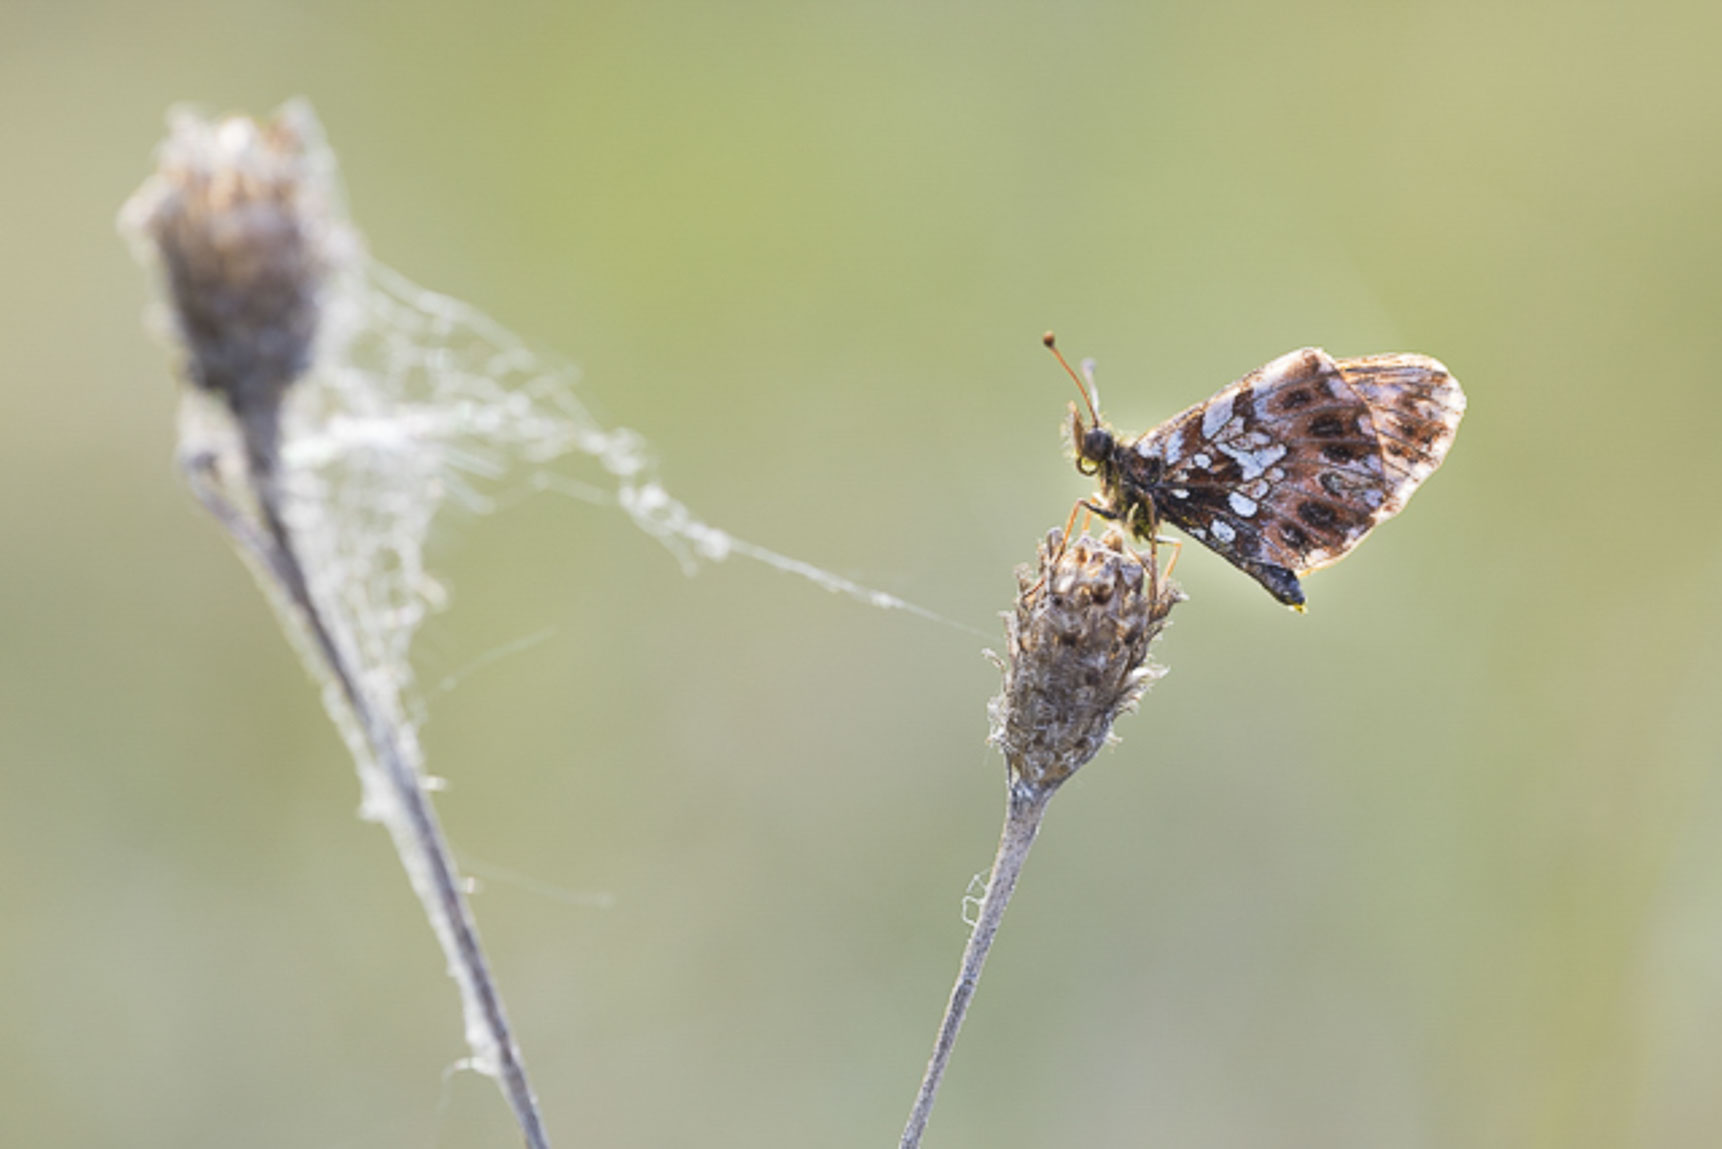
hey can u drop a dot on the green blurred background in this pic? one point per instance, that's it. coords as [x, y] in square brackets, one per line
[1439, 864]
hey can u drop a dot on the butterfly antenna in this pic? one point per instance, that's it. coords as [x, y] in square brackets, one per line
[1087, 398]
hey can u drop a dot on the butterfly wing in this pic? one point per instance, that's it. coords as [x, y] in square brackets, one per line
[1287, 469]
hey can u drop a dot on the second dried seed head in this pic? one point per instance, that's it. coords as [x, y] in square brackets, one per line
[1077, 654]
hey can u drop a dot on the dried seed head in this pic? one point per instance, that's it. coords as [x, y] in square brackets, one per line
[240, 220]
[1077, 655]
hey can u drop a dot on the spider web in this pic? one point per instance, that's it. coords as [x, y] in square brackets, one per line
[411, 399]
[414, 399]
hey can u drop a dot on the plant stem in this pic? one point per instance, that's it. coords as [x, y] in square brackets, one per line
[418, 835]
[1025, 806]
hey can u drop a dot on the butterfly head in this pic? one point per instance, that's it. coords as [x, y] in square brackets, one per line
[1096, 447]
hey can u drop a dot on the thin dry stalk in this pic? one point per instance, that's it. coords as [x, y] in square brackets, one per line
[1077, 658]
[237, 223]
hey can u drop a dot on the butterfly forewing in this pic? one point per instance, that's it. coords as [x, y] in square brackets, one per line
[1286, 470]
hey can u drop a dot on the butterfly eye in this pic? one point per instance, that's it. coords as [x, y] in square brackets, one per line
[1097, 444]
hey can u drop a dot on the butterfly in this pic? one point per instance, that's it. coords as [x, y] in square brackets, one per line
[1284, 471]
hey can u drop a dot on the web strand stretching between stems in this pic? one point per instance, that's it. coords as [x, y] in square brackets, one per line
[411, 399]
[332, 409]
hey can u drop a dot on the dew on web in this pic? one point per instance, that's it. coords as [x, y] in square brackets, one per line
[415, 399]
[331, 409]
[423, 377]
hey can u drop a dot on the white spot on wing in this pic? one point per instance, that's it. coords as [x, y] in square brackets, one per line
[1216, 415]
[1242, 503]
[1254, 463]
[1223, 531]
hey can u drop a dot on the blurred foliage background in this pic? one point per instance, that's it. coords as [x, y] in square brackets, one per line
[1439, 864]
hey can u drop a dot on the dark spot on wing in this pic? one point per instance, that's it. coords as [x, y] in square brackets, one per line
[1339, 453]
[1294, 536]
[1244, 404]
[1296, 398]
[1327, 425]
[1246, 542]
[1318, 515]
[1423, 432]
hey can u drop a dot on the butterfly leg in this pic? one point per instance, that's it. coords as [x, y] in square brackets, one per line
[1177, 546]
[1085, 509]
[1110, 516]
[1069, 525]
[1080, 506]
[1145, 524]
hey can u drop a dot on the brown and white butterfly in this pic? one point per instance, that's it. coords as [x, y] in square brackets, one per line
[1287, 469]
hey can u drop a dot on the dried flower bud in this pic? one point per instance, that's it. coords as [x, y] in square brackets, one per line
[239, 221]
[1078, 654]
